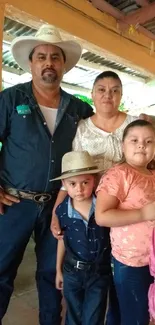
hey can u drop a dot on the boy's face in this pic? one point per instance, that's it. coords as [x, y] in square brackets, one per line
[79, 187]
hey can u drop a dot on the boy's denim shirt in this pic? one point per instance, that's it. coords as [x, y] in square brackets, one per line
[30, 156]
[84, 240]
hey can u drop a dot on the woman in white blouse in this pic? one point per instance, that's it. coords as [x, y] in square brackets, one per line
[101, 136]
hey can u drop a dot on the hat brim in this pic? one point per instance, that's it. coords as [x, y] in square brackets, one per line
[21, 47]
[68, 175]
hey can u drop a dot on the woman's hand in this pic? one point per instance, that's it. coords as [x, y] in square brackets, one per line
[146, 117]
[55, 227]
[59, 280]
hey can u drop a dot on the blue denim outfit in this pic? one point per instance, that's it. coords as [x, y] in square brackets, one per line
[30, 158]
[85, 291]
[132, 285]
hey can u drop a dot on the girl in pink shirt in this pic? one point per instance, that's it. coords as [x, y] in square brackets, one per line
[126, 203]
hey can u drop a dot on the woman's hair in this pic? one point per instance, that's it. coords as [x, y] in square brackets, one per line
[107, 74]
[135, 123]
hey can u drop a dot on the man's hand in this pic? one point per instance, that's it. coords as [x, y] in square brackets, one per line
[55, 227]
[6, 199]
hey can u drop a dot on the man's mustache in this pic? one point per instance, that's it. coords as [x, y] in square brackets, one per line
[48, 70]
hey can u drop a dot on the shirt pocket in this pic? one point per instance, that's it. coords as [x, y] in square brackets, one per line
[26, 129]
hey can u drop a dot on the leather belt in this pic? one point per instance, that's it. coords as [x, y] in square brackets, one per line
[95, 266]
[34, 196]
[79, 265]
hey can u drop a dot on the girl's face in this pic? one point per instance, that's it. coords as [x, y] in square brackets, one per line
[139, 146]
[106, 95]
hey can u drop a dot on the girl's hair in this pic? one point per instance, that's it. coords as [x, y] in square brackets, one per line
[107, 74]
[135, 123]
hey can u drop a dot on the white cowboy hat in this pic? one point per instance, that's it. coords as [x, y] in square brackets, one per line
[22, 46]
[76, 163]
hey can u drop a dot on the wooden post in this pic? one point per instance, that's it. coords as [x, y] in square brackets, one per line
[2, 9]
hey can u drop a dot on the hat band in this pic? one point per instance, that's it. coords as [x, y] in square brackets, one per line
[79, 170]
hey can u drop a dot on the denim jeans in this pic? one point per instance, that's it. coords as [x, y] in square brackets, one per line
[85, 293]
[132, 284]
[113, 316]
[16, 227]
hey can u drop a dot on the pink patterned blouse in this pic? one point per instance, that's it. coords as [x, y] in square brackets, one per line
[130, 244]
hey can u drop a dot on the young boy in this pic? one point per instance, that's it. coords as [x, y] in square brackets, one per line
[83, 255]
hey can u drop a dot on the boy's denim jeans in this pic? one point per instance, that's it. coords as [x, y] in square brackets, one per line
[86, 296]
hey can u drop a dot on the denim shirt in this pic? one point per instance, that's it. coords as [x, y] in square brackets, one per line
[30, 155]
[84, 240]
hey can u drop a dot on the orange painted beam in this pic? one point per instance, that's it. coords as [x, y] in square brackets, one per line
[130, 19]
[80, 19]
[108, 8]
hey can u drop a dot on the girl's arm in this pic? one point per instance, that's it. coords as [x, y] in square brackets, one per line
[59, 264]
[107, 214]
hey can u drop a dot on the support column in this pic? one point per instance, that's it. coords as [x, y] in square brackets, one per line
[2, 10]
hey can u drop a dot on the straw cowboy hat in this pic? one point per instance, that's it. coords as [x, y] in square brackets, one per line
[76, 163]
[22, 46]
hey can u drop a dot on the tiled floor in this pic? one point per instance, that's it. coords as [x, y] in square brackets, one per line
[23, 308]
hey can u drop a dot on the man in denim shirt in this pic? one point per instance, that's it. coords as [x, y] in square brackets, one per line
[38, 122]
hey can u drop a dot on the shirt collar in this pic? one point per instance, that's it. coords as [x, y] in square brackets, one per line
[72, 213]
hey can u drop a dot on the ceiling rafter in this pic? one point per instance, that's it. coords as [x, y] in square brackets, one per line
[142, 3]
[108, 8]
[138, 17]
[142, 15]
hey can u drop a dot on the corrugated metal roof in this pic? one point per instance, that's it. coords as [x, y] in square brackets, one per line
[15, 29]
[150, 25]
[124, 5]
[93, 58]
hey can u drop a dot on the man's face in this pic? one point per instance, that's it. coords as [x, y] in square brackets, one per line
[47, 65]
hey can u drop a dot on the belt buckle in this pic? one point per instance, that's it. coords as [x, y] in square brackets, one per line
[42, 197]
[78, 265]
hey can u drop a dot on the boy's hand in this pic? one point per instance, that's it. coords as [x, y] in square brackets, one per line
[59, 280]
[55, 227]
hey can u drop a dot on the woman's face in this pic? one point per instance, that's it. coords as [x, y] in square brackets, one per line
[106, 95]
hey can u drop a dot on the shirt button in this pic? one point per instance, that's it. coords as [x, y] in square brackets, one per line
[45, 123]
[52, 161]
[52, 141]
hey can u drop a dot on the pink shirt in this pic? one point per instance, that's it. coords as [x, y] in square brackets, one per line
[130, 244]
